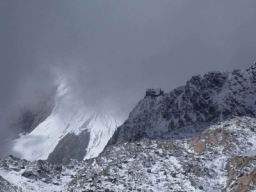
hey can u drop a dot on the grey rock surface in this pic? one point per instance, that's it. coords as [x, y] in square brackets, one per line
[70, 147]
[212, 97]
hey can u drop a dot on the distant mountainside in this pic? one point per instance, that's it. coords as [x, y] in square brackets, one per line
[69, 131]
[213, 97]
[200, 137]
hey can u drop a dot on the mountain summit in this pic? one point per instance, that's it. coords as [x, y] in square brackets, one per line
[200, 137]
[212, 97]
[71, 131]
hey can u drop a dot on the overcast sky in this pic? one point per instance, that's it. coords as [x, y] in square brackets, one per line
[113, 50]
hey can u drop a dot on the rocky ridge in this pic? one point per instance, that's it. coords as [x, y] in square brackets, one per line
[213, 97]
[199, 137]
[221, 158]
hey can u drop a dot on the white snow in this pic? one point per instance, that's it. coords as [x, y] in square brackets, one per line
[101, 128]
[68, 116]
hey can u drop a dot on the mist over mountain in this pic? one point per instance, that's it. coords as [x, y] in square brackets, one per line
[112, 51]
[197, 137]
[137, 95]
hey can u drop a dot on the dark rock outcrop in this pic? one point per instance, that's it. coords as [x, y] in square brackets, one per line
[213, 97]
[70, 147]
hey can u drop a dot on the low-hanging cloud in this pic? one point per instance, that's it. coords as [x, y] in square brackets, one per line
[111, 51]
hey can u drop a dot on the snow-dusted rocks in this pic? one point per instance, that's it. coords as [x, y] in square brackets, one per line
[220, 158]
[203, 162]
[215, 96]
[6, 186]
[198, 138]
[39, 176]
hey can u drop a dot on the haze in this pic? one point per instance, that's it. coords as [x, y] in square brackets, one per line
[111, 51]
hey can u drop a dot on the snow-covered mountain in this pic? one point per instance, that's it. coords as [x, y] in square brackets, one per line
[200, 137]
[221, 158]
[71, 128]
[215, 97]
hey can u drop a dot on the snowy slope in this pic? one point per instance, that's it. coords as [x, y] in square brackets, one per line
[101, 128]
[68, 116]
[198, 137]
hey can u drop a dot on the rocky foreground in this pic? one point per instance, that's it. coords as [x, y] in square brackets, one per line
[198, 137]
[221, 158]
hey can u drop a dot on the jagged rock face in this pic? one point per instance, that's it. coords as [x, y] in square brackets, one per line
[199, 137]
[213, 97]
[221, 158]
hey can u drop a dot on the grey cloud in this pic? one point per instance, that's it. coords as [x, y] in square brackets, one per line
[114, 50]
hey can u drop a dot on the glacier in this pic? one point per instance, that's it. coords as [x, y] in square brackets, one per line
[69, 115]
